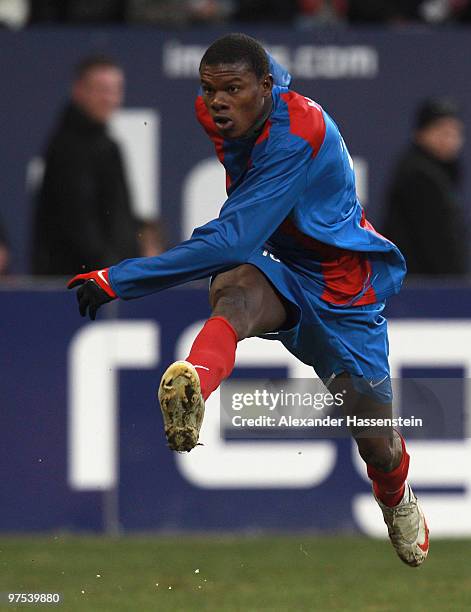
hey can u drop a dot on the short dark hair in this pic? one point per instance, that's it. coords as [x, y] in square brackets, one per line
[238, 48]
[94, 61]
[433, 109]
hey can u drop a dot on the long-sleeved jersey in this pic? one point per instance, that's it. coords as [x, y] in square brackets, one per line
[291, 189]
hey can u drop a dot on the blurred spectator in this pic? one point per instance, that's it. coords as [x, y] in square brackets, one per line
[424, 217]
[83, 218]
[158, 12]
[152, 240]
[161, 12]
[13, 13]
[282, 11]
[321, 12]
[397, 11]
[442, 11]
[181, 13]
[206, 11]
[81, 11]
[461, 9]
[4, 252]
[383, 10]
[177, 12]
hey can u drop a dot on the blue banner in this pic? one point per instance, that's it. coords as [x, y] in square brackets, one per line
[83, 446]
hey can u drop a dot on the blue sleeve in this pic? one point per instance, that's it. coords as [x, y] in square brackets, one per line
[249, 216]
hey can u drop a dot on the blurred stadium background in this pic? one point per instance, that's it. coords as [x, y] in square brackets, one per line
[93, 505]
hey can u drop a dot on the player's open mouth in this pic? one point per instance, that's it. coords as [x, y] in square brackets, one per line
[223, 123]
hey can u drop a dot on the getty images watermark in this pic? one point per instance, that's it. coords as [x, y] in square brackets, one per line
[307, 408]
[317, 401]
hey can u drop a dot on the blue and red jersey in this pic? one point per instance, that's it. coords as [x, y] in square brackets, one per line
[291, 189]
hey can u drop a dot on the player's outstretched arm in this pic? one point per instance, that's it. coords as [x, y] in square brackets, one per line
[250, 215]
[94, 291]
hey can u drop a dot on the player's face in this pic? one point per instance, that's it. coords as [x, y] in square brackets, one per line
[444, 138]
[99, 92]
[235, 98]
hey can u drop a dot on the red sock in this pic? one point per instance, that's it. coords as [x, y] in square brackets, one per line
[389, 486]
[213, 353]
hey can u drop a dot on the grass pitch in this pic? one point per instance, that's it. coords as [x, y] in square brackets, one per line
[227, 574]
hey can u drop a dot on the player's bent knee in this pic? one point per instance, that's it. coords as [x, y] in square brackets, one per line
[248, 300]
[228, 295]
[242, 277]
[231, 302]
[238, 289]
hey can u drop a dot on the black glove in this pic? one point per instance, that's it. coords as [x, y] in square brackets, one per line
[94, 291]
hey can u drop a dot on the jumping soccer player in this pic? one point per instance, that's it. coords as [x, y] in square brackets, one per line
[290, 255]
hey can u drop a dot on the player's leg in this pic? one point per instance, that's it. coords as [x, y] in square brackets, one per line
[243, 304]
[360, 333]
[379, 447]
[247, 299]
[387, 461]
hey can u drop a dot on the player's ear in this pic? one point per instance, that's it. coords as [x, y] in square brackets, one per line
[267, 85]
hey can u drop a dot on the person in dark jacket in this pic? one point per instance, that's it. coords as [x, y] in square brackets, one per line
[83, 217]
[424, 217]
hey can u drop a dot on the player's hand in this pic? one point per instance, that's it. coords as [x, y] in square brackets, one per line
[94, 291]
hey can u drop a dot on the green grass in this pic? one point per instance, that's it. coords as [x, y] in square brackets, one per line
[275, 573]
